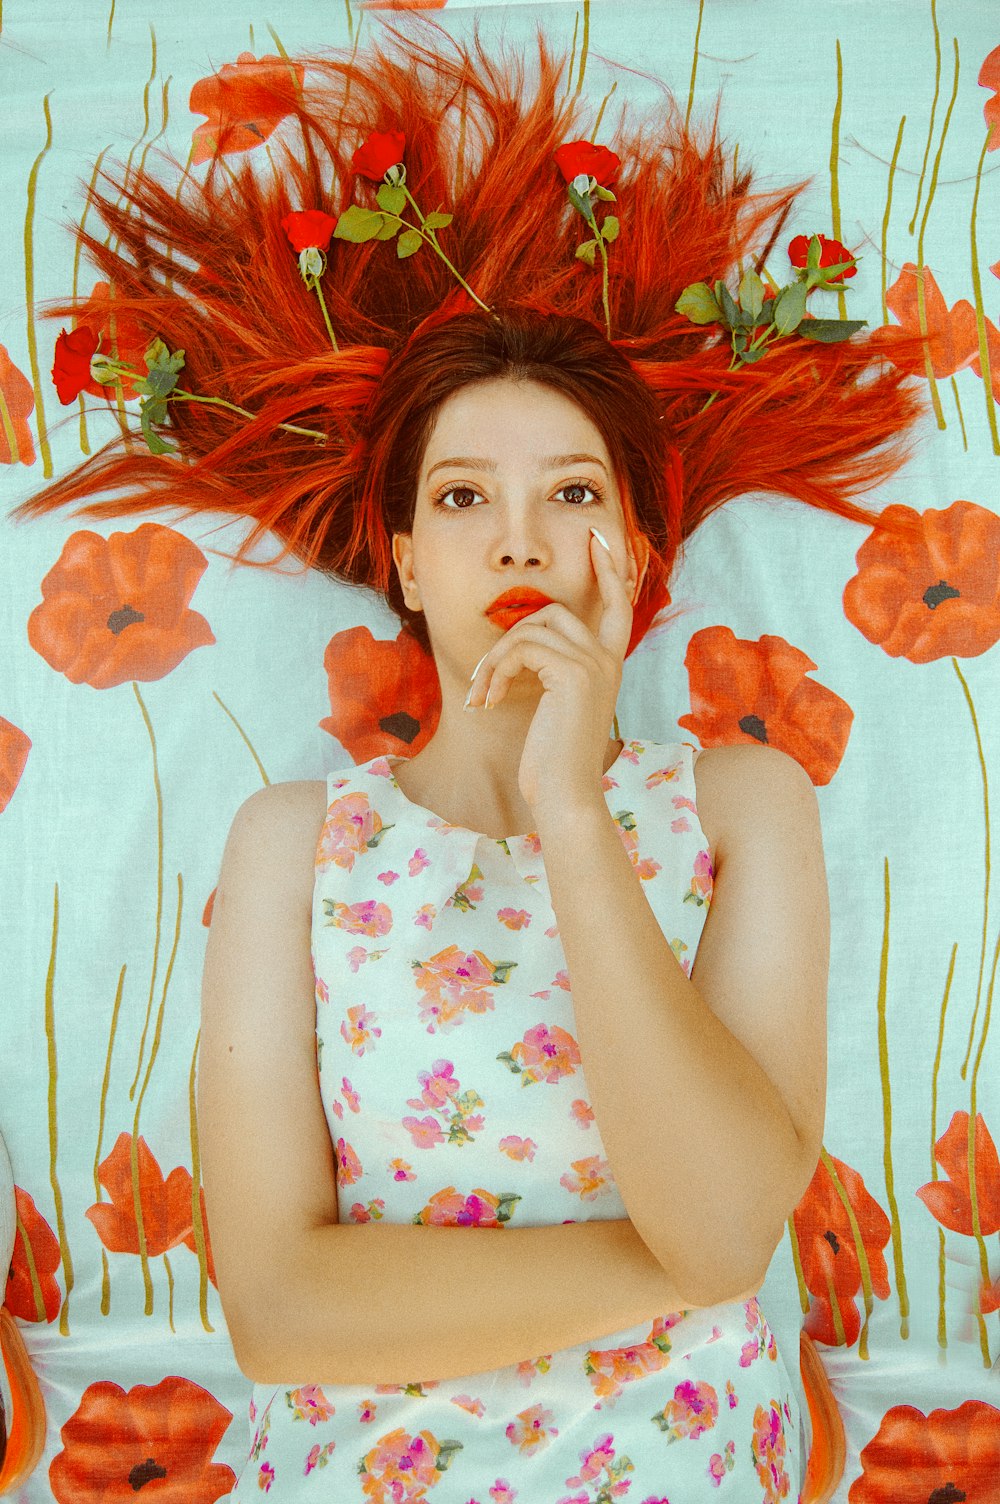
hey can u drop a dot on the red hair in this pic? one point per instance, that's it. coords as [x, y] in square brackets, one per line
[209, 270]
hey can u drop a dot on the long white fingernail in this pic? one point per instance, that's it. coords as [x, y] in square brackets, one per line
[599, 538]
[479, 665]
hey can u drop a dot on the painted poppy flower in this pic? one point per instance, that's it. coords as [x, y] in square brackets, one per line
[989, 78]
[17, 400]
[14, 749]
[935, 595]
[385, 695]
[831, 1258]
[116, 608]
[32, 1293]
[943, 1457]
[245, 102]
[308, 229]
[760, 691]
[831, 251]
[380, 152]
[71, 366]
[117, 1442]
[576, 157]
[165, 1203]
[950, 1201]
[952, 338]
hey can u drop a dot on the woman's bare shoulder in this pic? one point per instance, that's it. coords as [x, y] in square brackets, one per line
[284, 821]
[729, 779]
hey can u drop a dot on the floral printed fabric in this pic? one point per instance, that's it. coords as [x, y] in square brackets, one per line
[455, 1094]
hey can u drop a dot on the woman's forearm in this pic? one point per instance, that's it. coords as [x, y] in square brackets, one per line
[389, 1303]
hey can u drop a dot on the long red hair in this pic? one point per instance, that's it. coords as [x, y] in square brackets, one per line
[206, 267]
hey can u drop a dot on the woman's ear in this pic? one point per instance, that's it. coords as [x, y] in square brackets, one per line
[402, 554]
[637, 569]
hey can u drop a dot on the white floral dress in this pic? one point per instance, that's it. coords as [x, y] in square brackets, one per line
[455, 1094]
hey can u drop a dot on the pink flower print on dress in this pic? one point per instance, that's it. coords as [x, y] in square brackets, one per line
[400, 1468]
[543, 1054]
[466, 1402]
[369, 918]
[591, 1178]
[762, 1342]
[350, 828]
[502, 1493]
[731, 1395]
[532, 1430]
[602, 1472]
[518, 1148]
[418, 861]
[265, 1477]
[309, 1403]
[425, 916]
[318, 1457]
[349, 1095]
[366, 1411]
[449, 1208]
[647, 867]
[768, 1447]
[322, 991]
[582, 1113]
[693, 1410]
[455, 982]
[359, 1030]
[439, 1086]
[609, 1369]
[401, 1170]
[702, 883]
[532, 1367]
[425, 1132]
[721, 1463]
[348, 1164]
[514, 919]
[373, 1212]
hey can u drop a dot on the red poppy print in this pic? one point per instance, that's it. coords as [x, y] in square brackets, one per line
[245, 102]
[935, 594]
[32, 1293]
[17, 402]
[952, 338]
[167, 1211]
[831, 1266]
[575, 158]
[950, 1201]
[14, 749]
[989, 78]
[385, 695]
[744, 691]
[831, 252]
[116, 608]
[162, 1436]
[941, 1458]
[307, 228]
[382, 150]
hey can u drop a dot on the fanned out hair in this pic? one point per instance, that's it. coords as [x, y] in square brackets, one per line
[207, 267]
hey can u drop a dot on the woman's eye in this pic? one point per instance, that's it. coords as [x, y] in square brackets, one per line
[457, 491]
[574, 492]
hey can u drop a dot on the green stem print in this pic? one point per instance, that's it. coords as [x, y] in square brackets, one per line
[50, 1039]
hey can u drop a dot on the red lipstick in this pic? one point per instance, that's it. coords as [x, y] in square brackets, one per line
[515, 604]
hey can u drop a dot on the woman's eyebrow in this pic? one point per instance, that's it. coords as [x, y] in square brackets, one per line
[552, 462]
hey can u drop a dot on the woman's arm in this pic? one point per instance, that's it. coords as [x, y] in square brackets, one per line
[718, 1135]
[307, 1300]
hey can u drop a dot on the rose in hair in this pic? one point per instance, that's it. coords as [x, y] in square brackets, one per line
[381, 151]
[308, 229]
[576, 157]
[831, 253]
[71, 368]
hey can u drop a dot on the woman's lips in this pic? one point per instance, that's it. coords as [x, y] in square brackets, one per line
[507, 616]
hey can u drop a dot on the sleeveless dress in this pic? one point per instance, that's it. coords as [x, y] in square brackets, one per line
[455, 1094]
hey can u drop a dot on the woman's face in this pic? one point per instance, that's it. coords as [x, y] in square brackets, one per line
[512, 479]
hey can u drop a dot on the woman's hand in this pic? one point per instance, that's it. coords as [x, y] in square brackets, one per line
[564, 752]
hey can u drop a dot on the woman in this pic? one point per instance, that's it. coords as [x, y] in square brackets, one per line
[513, 1052]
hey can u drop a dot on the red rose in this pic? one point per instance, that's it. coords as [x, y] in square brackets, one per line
[831, 251]
[71, 369]
[378, 154]
[308, 228]
[576, 157]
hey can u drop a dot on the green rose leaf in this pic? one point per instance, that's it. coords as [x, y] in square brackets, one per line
[587, 251]
[730, 311]
[581, 202]
[609, 228]
[830, 331]
[813, 254]
[392, 200]
[408, 242]
[437, 221]
[789, 307]
[604, 194]
[149, 413]
[751, 293]
[358, 225]
[697, 303]
[750, 357]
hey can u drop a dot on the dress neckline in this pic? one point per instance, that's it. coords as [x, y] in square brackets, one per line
[432, 815]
